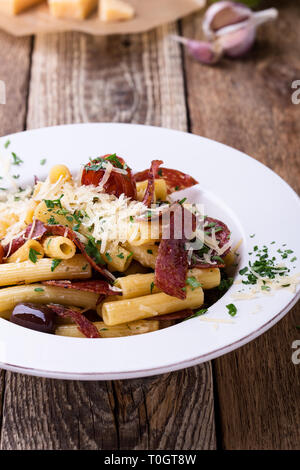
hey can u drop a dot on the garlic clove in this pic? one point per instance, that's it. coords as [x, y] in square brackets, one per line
[223, 14]
[205, 52]
[237, 43]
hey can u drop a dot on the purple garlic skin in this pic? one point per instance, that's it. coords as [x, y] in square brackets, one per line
[205, 52]
[233, 26]
[223, 14]
[237, 43]
[230, 29]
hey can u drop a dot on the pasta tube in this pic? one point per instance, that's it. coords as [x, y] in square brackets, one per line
[48, 216]
[23, 253]
[137, 285]
[38, 293]
[129, 329]
[43, 270]
[144, 233]
[117, 257]
[146, 255]
[59, 172]
[59, 247]
[123, 311]
[160, 188]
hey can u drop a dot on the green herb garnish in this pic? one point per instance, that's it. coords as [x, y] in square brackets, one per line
[16, 159]
[33, 255]
[55, 263]
[232, 310]
[193, 283]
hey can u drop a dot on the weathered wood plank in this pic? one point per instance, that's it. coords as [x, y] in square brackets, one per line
[247, 104]
[14, 72]
[77, 78]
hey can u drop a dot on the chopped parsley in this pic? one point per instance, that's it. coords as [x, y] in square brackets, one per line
[38, 289]
[150, 252]
[33, 255]
[92, 249]
[129, 256]
[151, 287]
[55, 263]
[198, 313]
[51, 204]
[120, 255]
[225, 284]
[16, 159]
[7, 144]
[43, 161]
[52, 221]
[193, 283]
[108, 257]
[232, 310]
[264, 266]
[114, 159]
[218, 258]
[182, 201]
[243, 271]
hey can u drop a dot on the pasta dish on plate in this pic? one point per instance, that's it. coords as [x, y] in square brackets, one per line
[108, 253]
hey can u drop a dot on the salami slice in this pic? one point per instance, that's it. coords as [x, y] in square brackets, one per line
[150, 190]
[222, 236]
[34, 231]
[117, 183]
[172, 261]
[96, 286]
[176, 180]
[86, 327]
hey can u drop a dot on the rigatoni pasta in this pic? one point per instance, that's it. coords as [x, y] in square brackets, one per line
[107, 253]
[31, 248]
[44, 269]
[116, 313]
[137, 285]
[59, 247]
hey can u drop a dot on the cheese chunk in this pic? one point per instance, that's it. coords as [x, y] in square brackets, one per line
[74, 9]
[13, 7]
[115, 10]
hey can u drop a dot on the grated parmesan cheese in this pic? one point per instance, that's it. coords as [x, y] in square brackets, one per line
[105, 217]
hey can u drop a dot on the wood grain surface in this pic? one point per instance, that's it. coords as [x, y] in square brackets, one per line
[65, 78]
[247, 104]
[78, 78]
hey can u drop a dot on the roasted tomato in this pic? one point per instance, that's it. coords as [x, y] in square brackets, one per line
[175, 179]
[118, 183]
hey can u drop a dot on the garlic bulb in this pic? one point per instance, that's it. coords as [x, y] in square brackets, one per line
[222, 14]
[233, 26]
[230, 29]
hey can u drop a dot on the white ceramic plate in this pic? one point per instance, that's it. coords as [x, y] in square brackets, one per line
[242, 192]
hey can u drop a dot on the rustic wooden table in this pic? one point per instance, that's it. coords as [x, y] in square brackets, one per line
[248, 399]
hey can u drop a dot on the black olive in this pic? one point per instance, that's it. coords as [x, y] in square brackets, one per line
[34, 316]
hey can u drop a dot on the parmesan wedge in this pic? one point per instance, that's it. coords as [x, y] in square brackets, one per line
[74, 9]
[115, 10]
[13, 7]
